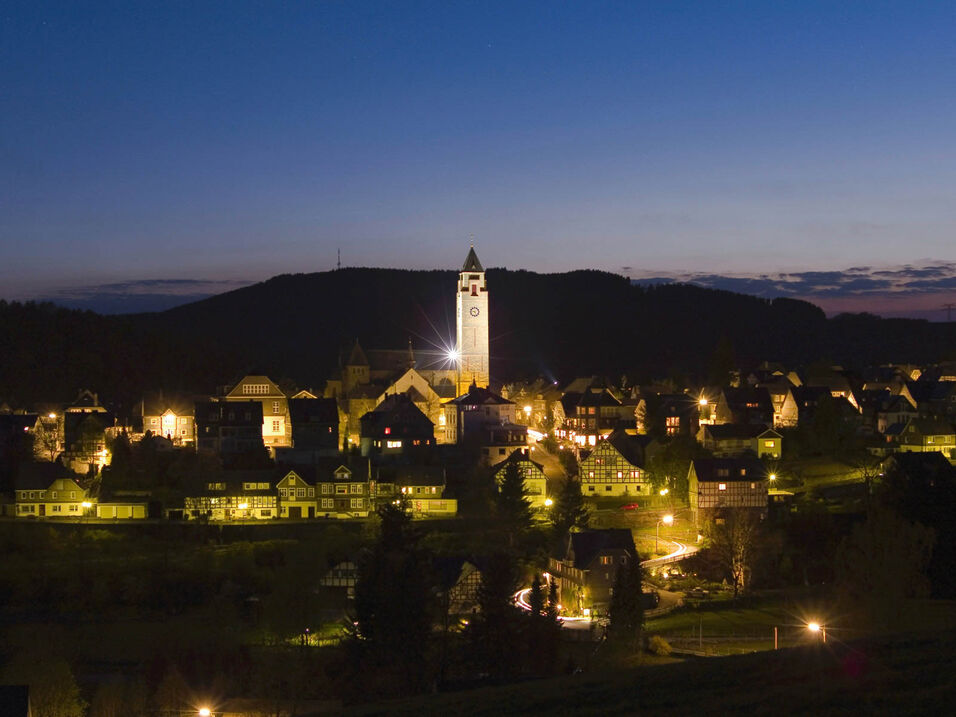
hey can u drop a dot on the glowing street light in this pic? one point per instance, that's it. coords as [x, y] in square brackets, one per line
[664, 491]
[204, 712]
[772, 477]
[548, 502]
[666, 520]
[702, 401]
[817, 627]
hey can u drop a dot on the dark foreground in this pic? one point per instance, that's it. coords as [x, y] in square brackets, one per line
[894, 675]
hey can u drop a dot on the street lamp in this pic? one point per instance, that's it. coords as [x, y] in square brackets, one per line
[548, 502]
[666, 520]
[772, 477]
[204, 712]
[817, 627]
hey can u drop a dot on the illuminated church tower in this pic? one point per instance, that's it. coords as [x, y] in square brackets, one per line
[472, 324]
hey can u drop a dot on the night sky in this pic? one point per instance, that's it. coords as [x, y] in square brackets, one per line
[202, 145]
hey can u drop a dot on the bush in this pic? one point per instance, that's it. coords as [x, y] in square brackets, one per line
[659, 646]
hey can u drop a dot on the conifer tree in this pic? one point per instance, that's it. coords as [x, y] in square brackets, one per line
[569, 510]
[511, 502]
[626, 611]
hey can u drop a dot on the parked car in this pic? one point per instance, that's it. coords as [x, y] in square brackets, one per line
[630, 506]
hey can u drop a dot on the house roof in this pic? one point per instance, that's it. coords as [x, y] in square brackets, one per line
[478, 395]
[39, 476]
[741, 468]
[516, 457]
[16, 423]
[929, 427]
[589, 544]
[156, 404]
[313, 410]
[632, 448]
[737, 431]
[406, 474]
[471, 262]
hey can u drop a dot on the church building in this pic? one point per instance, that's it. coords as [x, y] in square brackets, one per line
[472, 325]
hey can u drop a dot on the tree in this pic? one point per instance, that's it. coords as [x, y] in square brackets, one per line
[392, 620]
[669, 466]
[511, 503]
[569, 510]
[46, 440]
[495, 633]
[172, 693]
[536, 597]
[734, 542]
[626, 610]
[881, 563]
[53, 689]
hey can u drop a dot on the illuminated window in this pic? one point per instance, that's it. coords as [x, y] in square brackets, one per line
[606, 560]
[275, 407]
[620, 474]
[388, 430]
[721, 486]
[393, 444]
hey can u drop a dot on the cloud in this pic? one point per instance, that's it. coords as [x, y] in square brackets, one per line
[133, 297]
[902, 291]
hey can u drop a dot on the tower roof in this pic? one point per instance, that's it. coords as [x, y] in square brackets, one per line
[471, 262]
[358, 356]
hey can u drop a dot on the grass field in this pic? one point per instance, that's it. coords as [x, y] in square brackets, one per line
[901, 675]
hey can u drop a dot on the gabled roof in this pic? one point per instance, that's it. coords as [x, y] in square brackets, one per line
[357, 357]
[630, 447]
[471, 262]
[516, 457]
[587, 545]
[478, 396]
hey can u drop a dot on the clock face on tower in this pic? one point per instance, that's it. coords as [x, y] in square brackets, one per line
[474, 311]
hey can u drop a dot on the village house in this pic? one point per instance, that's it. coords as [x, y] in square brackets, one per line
[296, 493]
[718, 485]
[48, 490]
[925, 435]
[587, 567]
[532, 473]
[276, 424]
[396, 427]
[344, 488]
[234, 495]
[228, 428]
[616, 466]
[731, 439]
[171, 416]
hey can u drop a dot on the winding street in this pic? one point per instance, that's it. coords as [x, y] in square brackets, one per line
[669, 600]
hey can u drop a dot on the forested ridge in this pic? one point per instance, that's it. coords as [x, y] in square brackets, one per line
[555, 325]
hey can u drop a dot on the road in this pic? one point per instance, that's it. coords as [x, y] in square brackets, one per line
[669, 600]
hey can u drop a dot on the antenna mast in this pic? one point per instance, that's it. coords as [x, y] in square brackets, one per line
[949, 311]
[338, 260]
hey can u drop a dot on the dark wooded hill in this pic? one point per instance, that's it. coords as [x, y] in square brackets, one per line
[557, 325]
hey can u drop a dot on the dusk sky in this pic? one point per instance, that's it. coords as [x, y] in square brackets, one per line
[223, 143]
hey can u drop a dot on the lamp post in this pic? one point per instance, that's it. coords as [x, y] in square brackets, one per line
[817, 627]
[666, 520]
